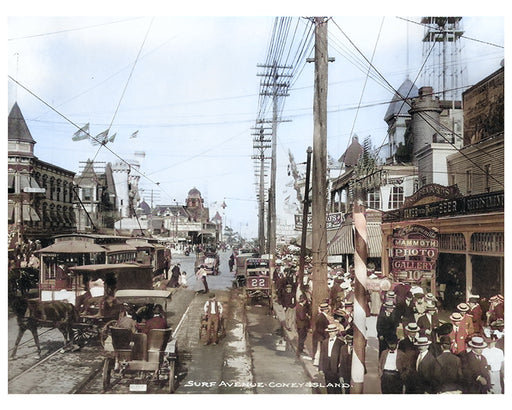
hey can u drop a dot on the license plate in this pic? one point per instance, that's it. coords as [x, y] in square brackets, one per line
[138, 387]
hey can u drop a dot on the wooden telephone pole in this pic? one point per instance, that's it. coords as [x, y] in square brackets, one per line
[319, 176]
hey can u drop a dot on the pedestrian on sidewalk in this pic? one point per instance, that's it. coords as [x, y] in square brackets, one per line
[346, 363]
[450, 368]
[289, 307]
[389, 362]
[319, 333]
[202, 274]
[330, 360]
[302, 322]
[213, 311]
[476, 376]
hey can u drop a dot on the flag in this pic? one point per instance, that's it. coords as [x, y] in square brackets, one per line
[112, 138]
[134, 135]
[101, 138]
[82, 133]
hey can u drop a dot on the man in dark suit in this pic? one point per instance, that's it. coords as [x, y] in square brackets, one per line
[450, 368]
[389, 362]
[320, 334]
[346, 363]
[476, 376]
[407, 365]
[386, 325]
[427, 368]
[428, 321]
[330, 360]
[302, 322]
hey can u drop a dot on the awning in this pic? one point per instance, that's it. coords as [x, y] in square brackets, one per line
[10, 212]
[374, 232]
[343, 241]
[330, 235]
[30, 214]
[26, 181]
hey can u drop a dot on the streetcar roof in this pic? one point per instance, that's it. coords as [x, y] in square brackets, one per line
[72, 247]
[110, 267]
[137, 294]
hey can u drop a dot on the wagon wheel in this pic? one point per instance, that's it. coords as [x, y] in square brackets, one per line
[108, 365]
[172, 380]
[83, 333]
[105, 331]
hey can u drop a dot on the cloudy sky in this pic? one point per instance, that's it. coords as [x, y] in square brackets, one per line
[190, 86]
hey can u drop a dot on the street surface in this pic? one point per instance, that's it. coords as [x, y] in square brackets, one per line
[253, 357]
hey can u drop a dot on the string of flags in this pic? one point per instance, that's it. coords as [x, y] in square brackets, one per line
[101, 139]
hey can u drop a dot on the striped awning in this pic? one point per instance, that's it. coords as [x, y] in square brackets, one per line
[343, 242]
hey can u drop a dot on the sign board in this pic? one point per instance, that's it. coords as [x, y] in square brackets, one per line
[413, 254]
[34, 190]
[333, 221]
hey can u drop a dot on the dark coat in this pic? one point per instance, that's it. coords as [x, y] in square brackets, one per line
[346, 363]
[424, 324]
[451, 372]
[472, 367]
[330, 365]
[429, 374]
[321, 324]
[302, 316]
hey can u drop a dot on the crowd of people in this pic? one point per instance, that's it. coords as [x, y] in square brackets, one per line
[422, 348]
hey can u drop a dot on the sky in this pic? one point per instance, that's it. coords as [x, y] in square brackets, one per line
[189, 85]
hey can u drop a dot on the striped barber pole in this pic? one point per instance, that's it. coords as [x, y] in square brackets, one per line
[360, 302]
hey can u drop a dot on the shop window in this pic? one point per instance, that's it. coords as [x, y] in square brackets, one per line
[452, 242]
[488, 242]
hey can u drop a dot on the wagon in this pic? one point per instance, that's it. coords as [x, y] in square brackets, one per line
[142, 358]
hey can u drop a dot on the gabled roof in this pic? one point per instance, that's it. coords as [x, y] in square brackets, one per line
[17, 127]
[397, 106]
[354, 151]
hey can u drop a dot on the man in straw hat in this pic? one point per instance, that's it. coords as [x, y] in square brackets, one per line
[429, 320]
[477, 379]
[407, 365]
[386, 325]
[427, 368]
[320, 334]
[330, 360]
[477, 314]
[467, 320]
[459, 334]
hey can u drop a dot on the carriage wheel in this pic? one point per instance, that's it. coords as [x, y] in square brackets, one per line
[172, 381]
[105, 331]
[108, 365]
[83, 333]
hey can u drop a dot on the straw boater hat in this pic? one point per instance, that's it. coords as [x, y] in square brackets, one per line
[456, 317]
[389, 304]
[431, 306]
[473, 298]
[477, 342]
[412, 327]
[390, 294]
[496, 298]
[462, 307]
[422, 341]
[331, 328]
[324, 306]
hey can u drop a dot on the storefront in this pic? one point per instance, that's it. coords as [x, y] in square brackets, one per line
[470, 239]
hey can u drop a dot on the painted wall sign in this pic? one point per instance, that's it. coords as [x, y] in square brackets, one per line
[414, 252]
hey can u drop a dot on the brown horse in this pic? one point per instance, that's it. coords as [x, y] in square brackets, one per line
[33, 313]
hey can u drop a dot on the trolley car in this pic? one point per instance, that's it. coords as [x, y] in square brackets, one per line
[258, 280]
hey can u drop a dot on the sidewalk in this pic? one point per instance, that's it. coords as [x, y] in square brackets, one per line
[371, 379]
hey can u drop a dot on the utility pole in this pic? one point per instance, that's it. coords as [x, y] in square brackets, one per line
[305, 211]
[275, 89]
[319, 177]
[260, 144]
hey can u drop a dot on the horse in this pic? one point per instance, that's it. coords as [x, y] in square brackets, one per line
[33, 313]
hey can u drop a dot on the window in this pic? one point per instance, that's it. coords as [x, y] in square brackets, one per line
[487, 169]
[374, 199]
[86, 194]
[469, 181]
[396, 198]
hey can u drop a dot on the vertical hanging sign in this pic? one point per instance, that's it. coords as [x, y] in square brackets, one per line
[413, 254]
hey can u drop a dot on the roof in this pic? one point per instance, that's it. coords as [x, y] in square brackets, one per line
[351, 156]
[110, 267]
[72, 247]
[194, 192]
[397, 106]
[137, 294]
[17, 127]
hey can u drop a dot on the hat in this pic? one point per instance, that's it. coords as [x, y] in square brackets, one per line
[324, 306]
[497, 324]
[392, 339]
[211, 295]
[340, 312]
[473, 298]
[463, 307]
[456, 317]
[345, 285]
[408, 295]
[496, 298]
[389, 304]
[422, 341]
[331, 328]
[444, 329]
[289, 285]
[412, 327]
[431, 306]
[477, 342]
[348, 303]
[390, 294]
[349, 339]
